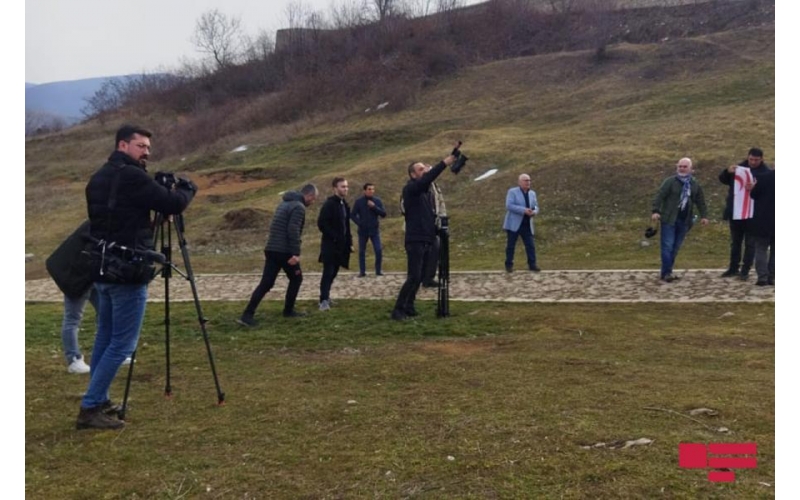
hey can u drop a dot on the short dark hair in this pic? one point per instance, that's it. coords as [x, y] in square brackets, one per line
[337, 180]
[309, 189]
[755, 152]
[368, 184]
[411, 167]
[126, 133]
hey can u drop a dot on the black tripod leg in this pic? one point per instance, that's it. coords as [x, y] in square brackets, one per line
[124, 409]
[166, 272]
[200, 317]
[443, 302]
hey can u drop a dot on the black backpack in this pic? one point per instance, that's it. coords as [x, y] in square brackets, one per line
[70, 265]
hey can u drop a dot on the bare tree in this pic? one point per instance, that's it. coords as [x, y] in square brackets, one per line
[383, 8]
[448, 5]
[258, 48]
[349, 13]
[296, 13]
[218, 36]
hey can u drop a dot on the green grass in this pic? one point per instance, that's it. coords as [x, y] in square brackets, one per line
[351, 405]
[597, 140]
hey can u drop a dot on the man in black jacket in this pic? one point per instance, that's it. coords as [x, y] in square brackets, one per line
[337, 242]
[763, 228]
[741, 228]
[420, 215]
[283, 252]
[120, 197]
[367, 212]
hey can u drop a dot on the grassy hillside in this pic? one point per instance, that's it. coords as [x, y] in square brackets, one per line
[596, 137]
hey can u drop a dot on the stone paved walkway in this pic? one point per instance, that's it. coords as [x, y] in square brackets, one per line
[697, 285]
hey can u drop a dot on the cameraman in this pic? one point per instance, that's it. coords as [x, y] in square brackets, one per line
[420, 216]
[119, 197]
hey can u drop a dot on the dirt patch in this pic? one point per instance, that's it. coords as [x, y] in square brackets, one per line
[245, 218]
[224, 183]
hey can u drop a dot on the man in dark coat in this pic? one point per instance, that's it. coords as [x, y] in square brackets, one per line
[283, 252]
[367, 212]
[120, 197]
[740, 229]
[337, 242]
[420, 215]
[763, 226]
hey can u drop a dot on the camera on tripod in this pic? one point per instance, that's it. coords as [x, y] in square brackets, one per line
[167, 179]
[461, 159]
[170, 181]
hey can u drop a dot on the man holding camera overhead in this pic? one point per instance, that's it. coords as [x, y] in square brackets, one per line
[420, 216]
[120, 197]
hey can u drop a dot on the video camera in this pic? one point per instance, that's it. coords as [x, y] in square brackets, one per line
[169, 180]
[461, 159]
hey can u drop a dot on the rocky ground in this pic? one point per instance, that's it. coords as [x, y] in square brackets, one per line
[696, 285]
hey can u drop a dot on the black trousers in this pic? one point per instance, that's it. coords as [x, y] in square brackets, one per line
[415, 255]
[739, 235]
[765, 265]
[431, 262]
[329, 271]
[274, 263]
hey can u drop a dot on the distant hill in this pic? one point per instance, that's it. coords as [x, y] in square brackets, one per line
[63, 99]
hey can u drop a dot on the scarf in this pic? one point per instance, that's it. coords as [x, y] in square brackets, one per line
[686, 190]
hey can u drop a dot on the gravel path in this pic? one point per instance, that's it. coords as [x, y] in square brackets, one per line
[696, 285]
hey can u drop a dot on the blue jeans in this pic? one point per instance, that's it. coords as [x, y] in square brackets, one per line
[672, 236]
[120, 311]
[73, 314]
[527, 239]
[362, 251]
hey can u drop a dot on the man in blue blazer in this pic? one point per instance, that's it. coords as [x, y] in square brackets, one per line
[521, 208]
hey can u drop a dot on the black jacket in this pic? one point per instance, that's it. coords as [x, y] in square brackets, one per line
[727, 178]
[420, 208]
[763, 221]
[334, 223]
[368, 219]
[286, 229]
[128, 223]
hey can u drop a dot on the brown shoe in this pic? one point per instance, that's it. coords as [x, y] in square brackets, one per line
[95, 418]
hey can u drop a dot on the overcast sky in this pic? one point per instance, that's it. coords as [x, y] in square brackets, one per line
[70, 40]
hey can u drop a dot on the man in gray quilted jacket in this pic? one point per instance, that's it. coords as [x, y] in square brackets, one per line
[283, 252]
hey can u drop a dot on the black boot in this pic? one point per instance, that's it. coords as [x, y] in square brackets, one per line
[96, 418]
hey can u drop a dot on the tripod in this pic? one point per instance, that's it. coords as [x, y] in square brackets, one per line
[164, 226]
[443, 299]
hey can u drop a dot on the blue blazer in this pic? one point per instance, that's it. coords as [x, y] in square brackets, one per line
[515, 208]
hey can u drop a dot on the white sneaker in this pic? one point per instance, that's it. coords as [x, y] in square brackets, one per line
[324, 305]
[78, 366]
[127, 361]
